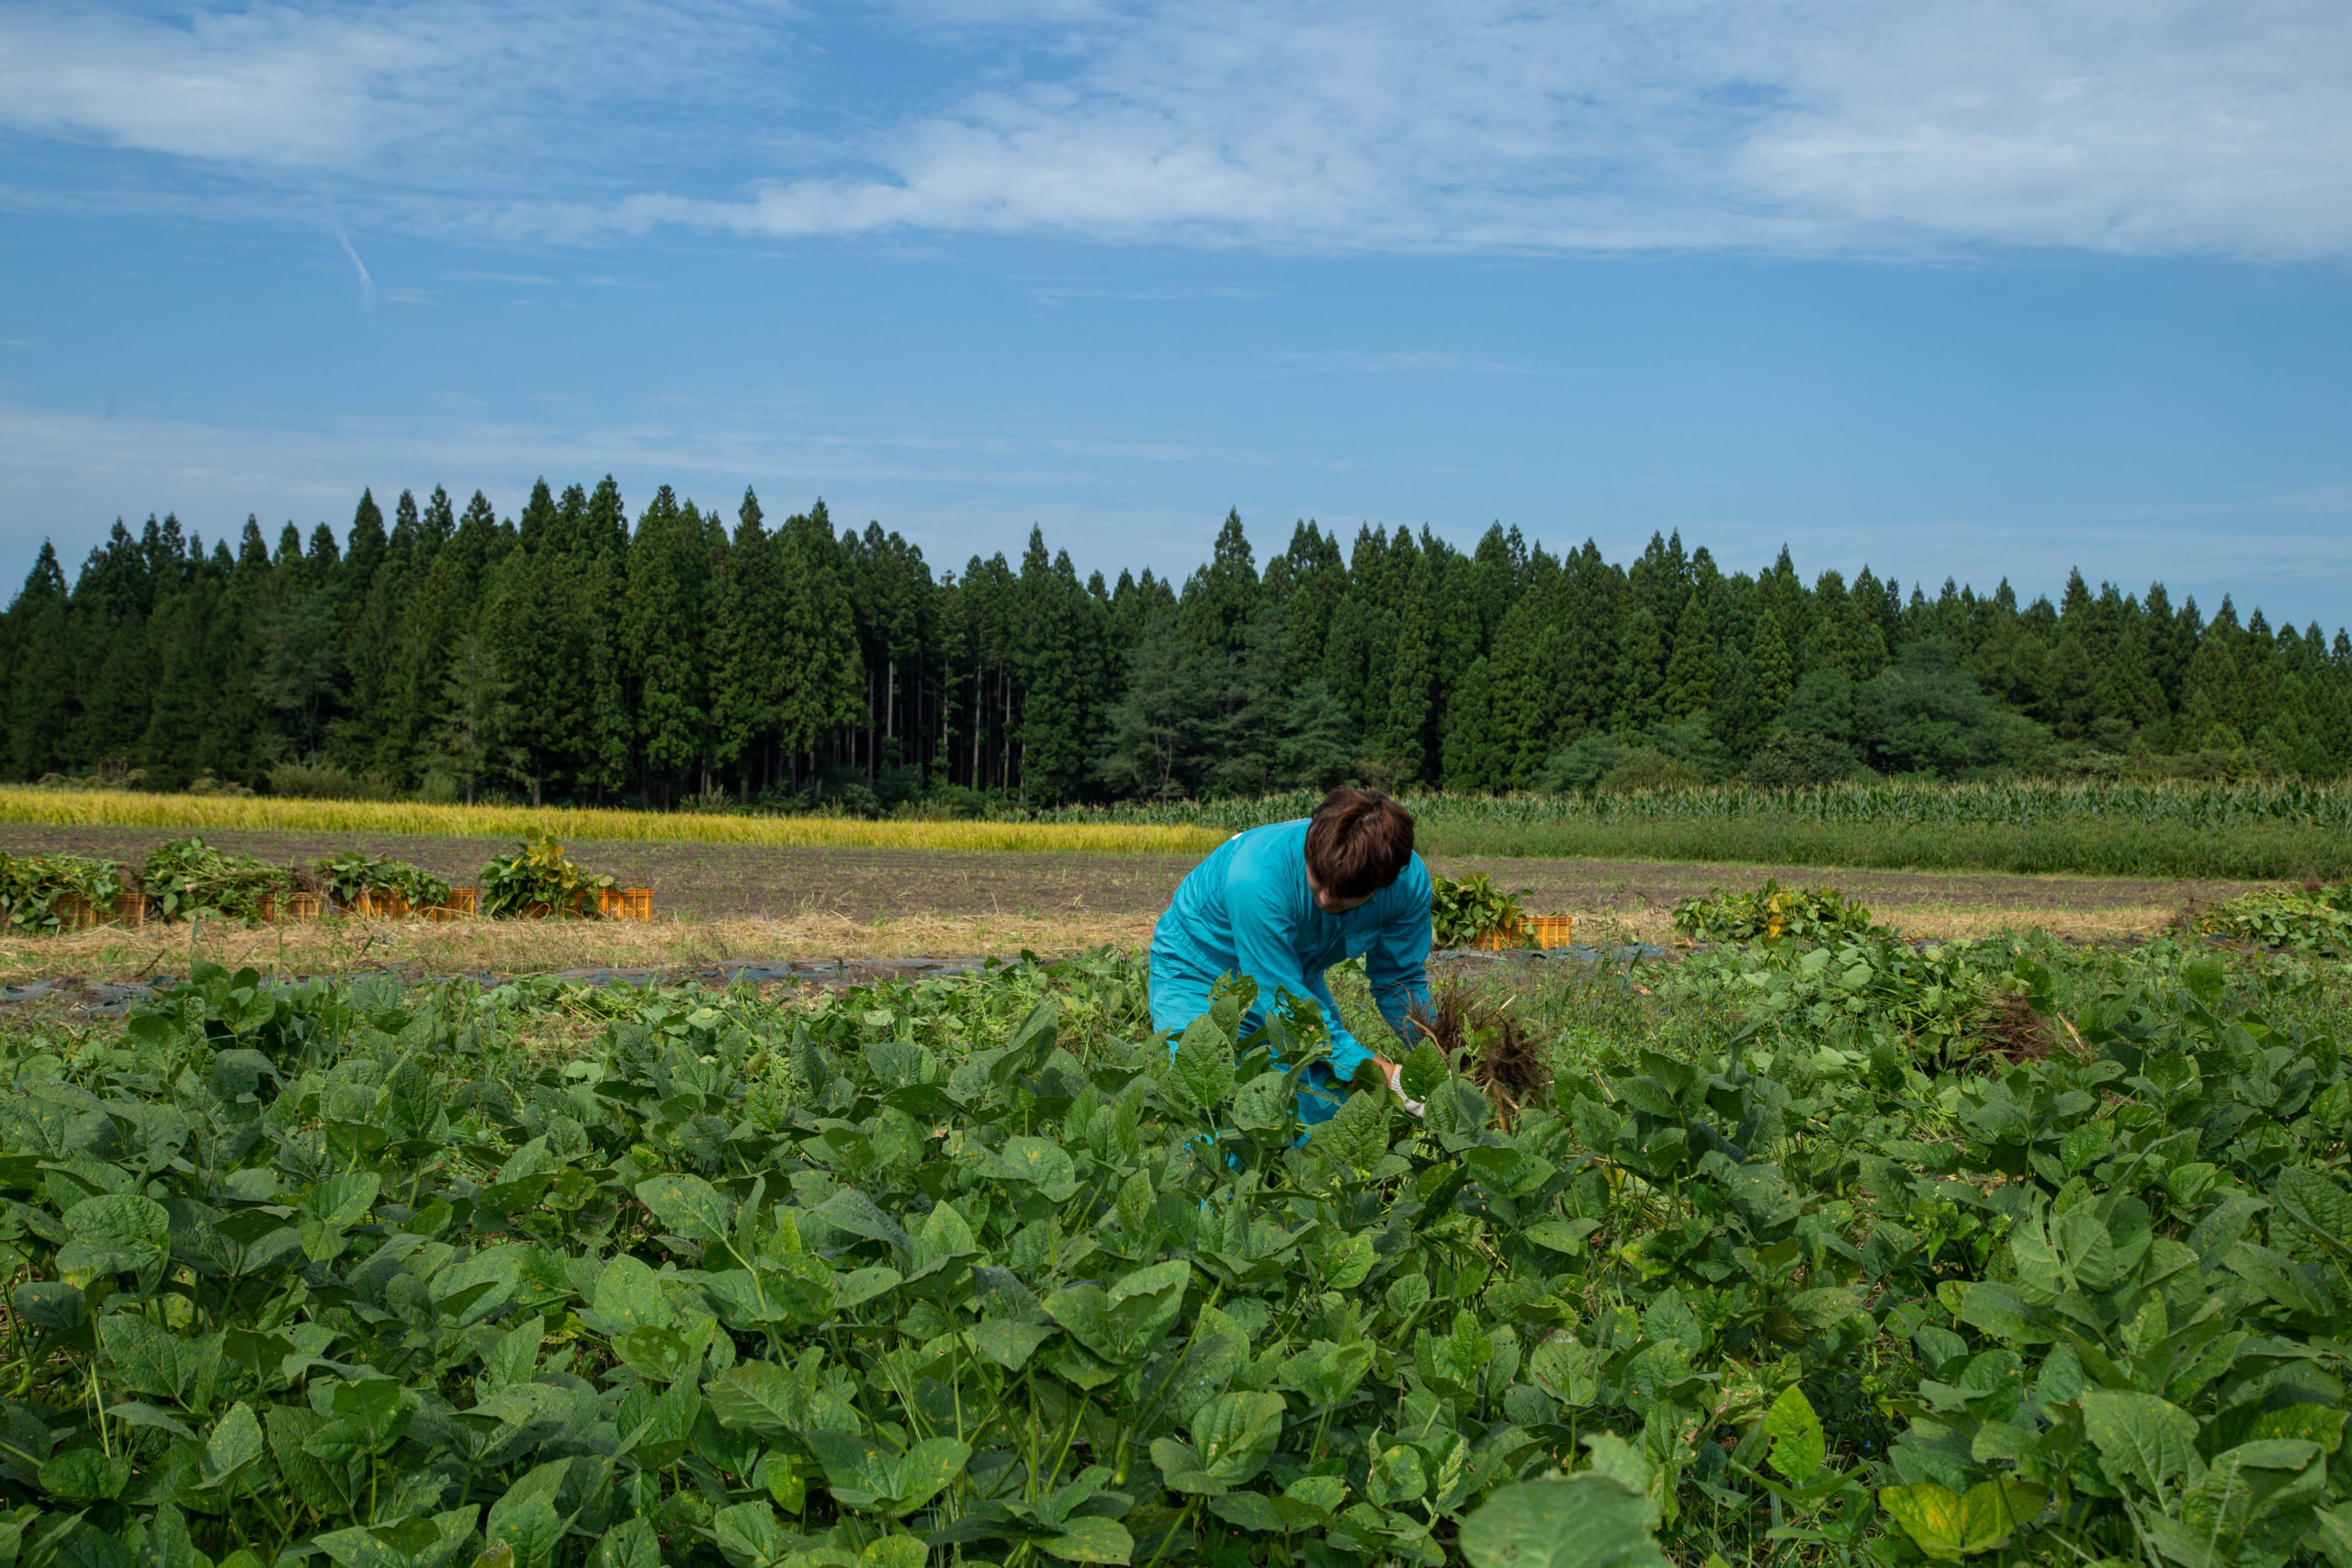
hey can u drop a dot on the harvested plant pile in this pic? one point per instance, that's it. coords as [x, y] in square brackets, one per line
[2315, 917]
[48, 893]
[1770, 914]
[187, 877]
[538, 879]
[349, 878]
[1463, 912]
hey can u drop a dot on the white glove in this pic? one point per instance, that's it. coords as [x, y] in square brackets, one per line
[1396, 1087]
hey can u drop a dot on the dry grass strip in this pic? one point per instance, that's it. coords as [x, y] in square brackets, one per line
[198, 813]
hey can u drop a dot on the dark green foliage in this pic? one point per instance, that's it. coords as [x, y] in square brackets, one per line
[686, 660]
[1796, 760]
[325, 781]
[1809, 1241]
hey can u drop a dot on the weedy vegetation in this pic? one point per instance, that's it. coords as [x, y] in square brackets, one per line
[1780, 1255]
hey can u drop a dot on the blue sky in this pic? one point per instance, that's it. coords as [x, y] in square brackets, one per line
[1976, 289]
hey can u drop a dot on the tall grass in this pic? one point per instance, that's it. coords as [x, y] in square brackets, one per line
[199, 813]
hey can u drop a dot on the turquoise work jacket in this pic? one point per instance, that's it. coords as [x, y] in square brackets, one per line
[1246, 910]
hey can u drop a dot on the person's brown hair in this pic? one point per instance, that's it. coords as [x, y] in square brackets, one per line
[1358, 843]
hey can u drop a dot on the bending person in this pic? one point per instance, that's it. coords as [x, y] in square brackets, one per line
[1282, 904]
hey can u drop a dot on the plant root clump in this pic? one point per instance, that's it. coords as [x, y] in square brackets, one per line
[1490, 1046]
[2013, 1030]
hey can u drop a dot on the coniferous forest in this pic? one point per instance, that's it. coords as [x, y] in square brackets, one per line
[570, 654]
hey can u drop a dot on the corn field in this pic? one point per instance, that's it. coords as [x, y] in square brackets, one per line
[2189, 806]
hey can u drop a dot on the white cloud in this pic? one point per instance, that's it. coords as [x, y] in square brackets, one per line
[1790, 126]
[1492, 125]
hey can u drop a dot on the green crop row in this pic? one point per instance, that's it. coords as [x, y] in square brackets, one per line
[1804, 1253]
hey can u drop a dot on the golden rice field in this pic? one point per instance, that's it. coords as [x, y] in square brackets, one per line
[200, 813]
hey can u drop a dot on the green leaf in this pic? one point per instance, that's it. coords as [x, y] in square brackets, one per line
[1995, 1309]
[113, 1233]
[1928, 1514]
[1248, 1510]
[1356, 1137]
[143, 1358]
[1008, 1343]
[1588, 1520]
[748, 1535]
[1234, 1433]
[236, 1443]
[628, 1294]
[1041, 1162]
[629, 1544]
[1181, 1469]
[1200, 1073]
[1124, 1323]
[690, 1206]
[2139, 1435]
[2275, 1274]
[84, 1475]
[1347, 1265]
[1262, 1105]
[1422, 1070]
[323, 1487]
[1091, 1539]
[1798, 1446]
[1562, 1235]
[927, 1467]
[759, 1396]
[854, 1212]
[344, 1200]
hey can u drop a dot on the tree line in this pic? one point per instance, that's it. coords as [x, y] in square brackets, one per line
[569, 654]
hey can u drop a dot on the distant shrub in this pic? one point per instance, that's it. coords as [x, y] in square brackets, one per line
[326, 781]
[1789, 760]
[1646, 769]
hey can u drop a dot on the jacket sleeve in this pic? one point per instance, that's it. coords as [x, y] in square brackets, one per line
[1397, 964]
[1265, 951]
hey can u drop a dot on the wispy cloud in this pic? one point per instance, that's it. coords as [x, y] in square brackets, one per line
[1049, 291]
[367, 284]
[1484, 125]
[1389, 362]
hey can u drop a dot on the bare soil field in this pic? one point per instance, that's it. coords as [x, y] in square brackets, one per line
[757, 901]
